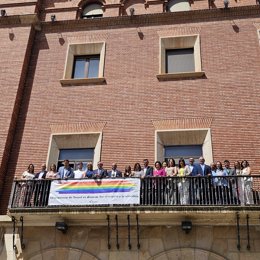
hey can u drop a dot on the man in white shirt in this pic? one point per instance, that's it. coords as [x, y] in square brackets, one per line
[66, 172]
[79, 173]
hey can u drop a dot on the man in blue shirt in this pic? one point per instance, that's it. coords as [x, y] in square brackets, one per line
[66, 172]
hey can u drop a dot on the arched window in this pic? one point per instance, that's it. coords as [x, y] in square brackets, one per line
[92, 11]
[178, 5]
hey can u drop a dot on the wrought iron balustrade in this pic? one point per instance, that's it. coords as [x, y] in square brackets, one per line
[159, 191]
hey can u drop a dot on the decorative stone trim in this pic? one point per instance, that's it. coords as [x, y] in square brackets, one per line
[24, 3]
[46, 253]
[86, 81]
[188, 253]
[26, 19]
[162, 18]
[88, 48]
[182, 123]
[182, 75]
[78, 128]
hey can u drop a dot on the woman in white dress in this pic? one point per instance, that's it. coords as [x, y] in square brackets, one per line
[246, 183]
[138, 172]
[52, 173]
[29, 173]
[237, 183]
[171, 171]
[25, 192]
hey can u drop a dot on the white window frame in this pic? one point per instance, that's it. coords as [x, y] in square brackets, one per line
[180, 42]
[74, 140]
[189, 136]
[83, 49]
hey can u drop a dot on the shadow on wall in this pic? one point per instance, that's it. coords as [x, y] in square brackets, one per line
[36, 46]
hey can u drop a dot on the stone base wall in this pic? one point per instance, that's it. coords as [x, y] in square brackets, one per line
[157, 242]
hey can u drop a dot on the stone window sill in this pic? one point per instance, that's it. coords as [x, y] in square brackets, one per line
[73, 82]
[181, 75]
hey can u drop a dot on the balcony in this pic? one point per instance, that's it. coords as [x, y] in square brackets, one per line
[159, 201]
[162, 193]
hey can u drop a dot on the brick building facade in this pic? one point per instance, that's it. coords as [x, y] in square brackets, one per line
[134, 108]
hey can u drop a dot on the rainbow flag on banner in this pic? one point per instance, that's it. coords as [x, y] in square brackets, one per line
[96, 187]
[95, 192]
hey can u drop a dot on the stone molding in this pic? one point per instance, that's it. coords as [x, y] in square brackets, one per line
[182, 123]
[77, 128]
[219, 14]
[47, 253]
[187, 253]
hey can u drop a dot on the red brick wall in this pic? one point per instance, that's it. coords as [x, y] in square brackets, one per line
[132, 96]
[14, 48]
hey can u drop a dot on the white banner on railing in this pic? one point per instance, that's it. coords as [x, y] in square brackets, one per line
[94, 192]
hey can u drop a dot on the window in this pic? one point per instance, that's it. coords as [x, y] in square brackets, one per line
[92, 11]
[183, 151]
[86, 67]
[84, 64]
[74, 156]
[178, 5]
[184, 143]
[180, 57]
[75, 147]
[180, 60]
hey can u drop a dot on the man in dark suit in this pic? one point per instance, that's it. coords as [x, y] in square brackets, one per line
[204, 183]
[147, 183]
[65, 172]
[148, 170]
[194, 184]
[100, 172]
[114, 173]
[41, 187]
[193, 168]
[203, 169]
[41, 174]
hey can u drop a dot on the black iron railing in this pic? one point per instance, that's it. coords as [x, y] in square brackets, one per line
[158, 191]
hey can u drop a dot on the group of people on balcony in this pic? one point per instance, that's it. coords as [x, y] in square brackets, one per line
[241, 186]
[180, 190]
[67, 172]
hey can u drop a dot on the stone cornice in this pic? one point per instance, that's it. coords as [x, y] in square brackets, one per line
[160, 18]
[14, 5]
[27, 19]
[138, 20]
[206, 215]
[63, 9]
